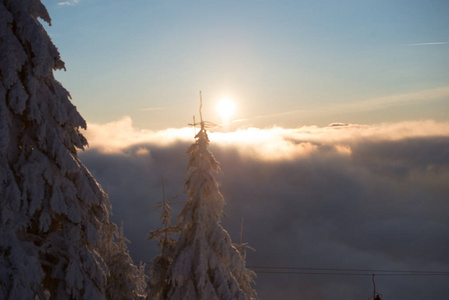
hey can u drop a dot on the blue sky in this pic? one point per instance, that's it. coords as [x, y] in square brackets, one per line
[285, 63]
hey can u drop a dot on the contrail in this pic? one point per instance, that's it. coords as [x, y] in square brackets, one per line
[428, 44]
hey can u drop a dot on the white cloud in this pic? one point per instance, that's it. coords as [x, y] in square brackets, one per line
[71, 2]
[268, 144]
[118, 135]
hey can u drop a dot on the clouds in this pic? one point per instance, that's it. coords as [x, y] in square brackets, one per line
[270, 144]
[349, 196]
[119, 135]
[71, 2]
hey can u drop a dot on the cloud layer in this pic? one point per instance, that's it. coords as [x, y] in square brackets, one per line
[342, 196]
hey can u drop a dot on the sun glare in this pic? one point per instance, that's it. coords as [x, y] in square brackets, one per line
[226, 108]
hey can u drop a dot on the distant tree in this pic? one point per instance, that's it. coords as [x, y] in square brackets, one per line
[51, 208]
[125, 280]
[245, 277]
[204, 260]
[161, 263]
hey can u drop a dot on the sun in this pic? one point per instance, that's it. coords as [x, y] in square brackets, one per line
[226, 108]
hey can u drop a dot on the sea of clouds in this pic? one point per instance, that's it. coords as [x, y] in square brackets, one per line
[342, 196]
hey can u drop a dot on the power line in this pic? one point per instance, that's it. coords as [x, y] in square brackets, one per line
[337, 271]
[343, 272]
[349, 270]
[351, 274]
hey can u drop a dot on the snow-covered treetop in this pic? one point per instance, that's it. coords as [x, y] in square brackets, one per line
[206, 265]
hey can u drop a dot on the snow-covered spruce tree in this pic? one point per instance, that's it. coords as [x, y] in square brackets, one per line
[161, 263]
[125, 280]
[51, 208]
[204, 260]
[245, 277]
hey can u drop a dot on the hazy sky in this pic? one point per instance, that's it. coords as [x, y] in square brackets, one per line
[285, 63]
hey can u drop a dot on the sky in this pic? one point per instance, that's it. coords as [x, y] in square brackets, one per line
[336, 155]
[284, 63]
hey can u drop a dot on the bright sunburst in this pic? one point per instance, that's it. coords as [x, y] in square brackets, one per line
[226, 108]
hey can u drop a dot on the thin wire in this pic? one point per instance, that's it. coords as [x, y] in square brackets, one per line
[349, 270]
[351, 274]
[342, 272]
[148, 266]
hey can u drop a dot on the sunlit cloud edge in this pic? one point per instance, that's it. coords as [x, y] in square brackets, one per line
[275, 143]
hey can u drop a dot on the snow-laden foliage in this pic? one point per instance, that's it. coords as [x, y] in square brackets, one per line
[245, 277]
[51, 208]
[161, 263]
[125, 281]
[205, 262]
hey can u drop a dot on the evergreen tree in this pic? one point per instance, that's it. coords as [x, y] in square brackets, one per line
[51, 208]
[245, 277]
[125, 280]
[204, 259]
[162, 262]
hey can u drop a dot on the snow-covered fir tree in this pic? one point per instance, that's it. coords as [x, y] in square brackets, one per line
[51, 208]
[161, 263]
[205, 260]
[125, 281]
[245, 277]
